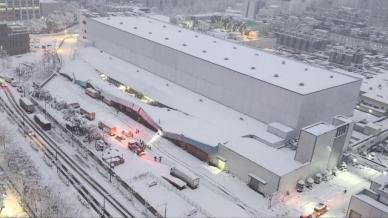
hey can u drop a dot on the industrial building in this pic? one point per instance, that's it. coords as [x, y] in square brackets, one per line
[20, 9]
[371, 202]
[271, 168]
[344, 56]
[283, 99]
[14, 39]
[261, 85]
[374, 95]
[300, 41]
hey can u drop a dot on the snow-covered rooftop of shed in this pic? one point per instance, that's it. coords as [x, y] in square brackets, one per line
[295, 76]
[278, 161]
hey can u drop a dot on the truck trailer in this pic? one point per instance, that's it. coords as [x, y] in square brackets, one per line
[185, 175]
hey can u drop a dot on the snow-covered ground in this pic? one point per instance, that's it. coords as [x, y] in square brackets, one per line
[52, 190]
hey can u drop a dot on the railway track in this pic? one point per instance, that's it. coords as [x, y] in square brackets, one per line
[65, 164]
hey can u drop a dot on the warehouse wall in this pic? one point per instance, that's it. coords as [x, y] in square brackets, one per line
[241, 167]
[326, 104]
[255, 98]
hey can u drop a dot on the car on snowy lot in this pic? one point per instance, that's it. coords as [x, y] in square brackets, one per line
[319, 210]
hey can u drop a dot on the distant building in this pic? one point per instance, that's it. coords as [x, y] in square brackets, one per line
[345, 57]
[50, 6]
[300, 41]
[372, 202]
[374, 95]
[251, 8]
[19, 9]
[14, 39]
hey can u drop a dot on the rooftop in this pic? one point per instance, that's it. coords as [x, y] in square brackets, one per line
[294, 76]
[194, 116]
[319, 128]
[280, 161]
[376, 88]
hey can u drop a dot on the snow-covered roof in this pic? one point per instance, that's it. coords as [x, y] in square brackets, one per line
[295, 76]
[278, 161]
[365, 198]
[376, 88]
[205, 121]
[319, 128]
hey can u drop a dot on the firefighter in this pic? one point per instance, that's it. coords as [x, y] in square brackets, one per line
[160, 159]
[155, 158]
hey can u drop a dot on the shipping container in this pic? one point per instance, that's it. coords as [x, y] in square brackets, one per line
[185, 175]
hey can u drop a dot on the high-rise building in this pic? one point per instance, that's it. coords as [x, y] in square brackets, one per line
[251, 8]
[14, 39]
[19, 9]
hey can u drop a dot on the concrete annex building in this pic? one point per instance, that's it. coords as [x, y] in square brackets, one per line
[293, 99]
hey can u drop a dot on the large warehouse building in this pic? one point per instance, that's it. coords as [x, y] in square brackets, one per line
[281, 98]
[261, 85]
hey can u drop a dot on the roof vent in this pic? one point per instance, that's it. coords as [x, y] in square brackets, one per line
[253, 68]
[184, 44]
[331, 76]
[306, 69]
[256, 54]
[226, 59]
[196, 36]
[166, 38]
[137, 70]
[135, 28]
[370, 88]
[150, 21]
[283, 62]
[164, 26]
[276, 75]
[108, 18]
[179, 31]
[234, 47]
[204, 51]
[214, 41]
[150, 33]
[121, 22]
[301, 84]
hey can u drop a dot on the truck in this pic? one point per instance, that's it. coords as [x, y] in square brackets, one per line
[89, 115]
[191, 180]
[92, 92]
[107, 127]
[42, 122]
[27, 105]
[135, 146]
